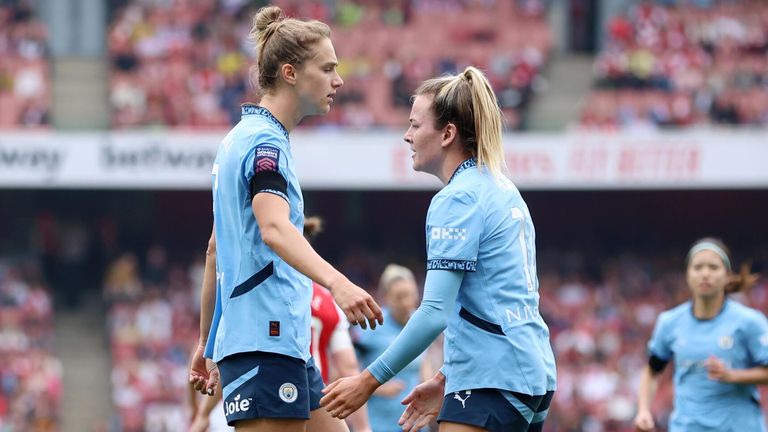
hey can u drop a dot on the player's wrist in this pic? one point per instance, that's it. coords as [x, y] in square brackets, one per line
[369, 380]
[336, 282]
[439, 378]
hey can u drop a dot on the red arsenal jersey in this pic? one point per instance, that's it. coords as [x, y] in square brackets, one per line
[326, 317]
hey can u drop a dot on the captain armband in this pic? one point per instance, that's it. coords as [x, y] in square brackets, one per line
[656, 364]
[269, 181]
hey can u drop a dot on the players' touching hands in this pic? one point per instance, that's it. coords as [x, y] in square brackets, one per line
[423, 404]
[357, 304]
[346, 395]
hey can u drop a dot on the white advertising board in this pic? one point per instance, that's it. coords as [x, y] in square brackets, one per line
[381, 160]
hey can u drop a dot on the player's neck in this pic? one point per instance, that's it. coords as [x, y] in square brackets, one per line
[283, 108]
[705, 308]
[450, 165]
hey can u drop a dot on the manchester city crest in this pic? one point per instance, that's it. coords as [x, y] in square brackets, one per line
[725, 342]
[288, 392]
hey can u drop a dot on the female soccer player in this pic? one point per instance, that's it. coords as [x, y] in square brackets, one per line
[719, 347]
[499, 370]
[400, 296]
[260, 329]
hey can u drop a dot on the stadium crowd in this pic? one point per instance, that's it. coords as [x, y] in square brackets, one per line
[30, 375]
[25, 84]
[600, 322]
[682, 64]
[174, 65]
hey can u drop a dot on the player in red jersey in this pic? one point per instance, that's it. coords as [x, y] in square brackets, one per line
[331, 345]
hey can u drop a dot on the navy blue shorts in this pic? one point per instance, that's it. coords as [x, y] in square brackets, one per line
[496, 410]
[269, 385]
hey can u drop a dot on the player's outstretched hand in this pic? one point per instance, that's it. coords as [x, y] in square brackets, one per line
[346, 395]
[203, 373]
[357, 304]
[424, 403]
[644, 421]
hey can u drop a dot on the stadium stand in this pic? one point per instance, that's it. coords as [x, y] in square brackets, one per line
[31, 375]
[682, 64]
[25, 85]
[189, 67]
[153, 325]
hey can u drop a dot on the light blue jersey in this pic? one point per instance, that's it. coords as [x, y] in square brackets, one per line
[496, 337]
[738, 336]
[384, 412]
[264, 302]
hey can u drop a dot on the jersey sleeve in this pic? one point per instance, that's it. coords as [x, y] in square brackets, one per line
[660, 344]
[265, 168]
[454, 227]
[757, 339]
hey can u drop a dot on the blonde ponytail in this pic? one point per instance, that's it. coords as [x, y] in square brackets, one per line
[488, 123]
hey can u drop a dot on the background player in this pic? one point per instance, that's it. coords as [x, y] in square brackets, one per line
[499, 371]
[259, 332]
[719, 347]
[400, 297]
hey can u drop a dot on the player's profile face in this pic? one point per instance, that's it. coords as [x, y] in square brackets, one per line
[318, 80]
[422, 136]
[706, 274]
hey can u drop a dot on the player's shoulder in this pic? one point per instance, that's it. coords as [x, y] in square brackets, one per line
[676, 313]
[745, 312]
[259, 131]
[454, 193]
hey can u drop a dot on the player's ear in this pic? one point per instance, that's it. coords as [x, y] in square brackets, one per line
[288, 72]
[449, 134]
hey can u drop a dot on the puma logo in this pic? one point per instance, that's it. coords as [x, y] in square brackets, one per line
[463, 401]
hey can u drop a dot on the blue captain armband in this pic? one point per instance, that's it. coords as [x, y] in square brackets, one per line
[440, 291]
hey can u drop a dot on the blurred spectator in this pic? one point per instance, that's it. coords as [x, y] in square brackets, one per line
[184, 67]
[30, 376]
[681, 64]
[25, 89]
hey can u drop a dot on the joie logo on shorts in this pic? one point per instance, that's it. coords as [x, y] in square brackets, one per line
[288, 393]
[463, 401]
[237, 405]
[442, 233]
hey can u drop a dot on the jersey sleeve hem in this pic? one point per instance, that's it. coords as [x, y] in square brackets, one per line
[275, 192]
[449, 264]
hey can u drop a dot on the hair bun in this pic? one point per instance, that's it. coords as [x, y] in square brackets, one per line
[268, 15]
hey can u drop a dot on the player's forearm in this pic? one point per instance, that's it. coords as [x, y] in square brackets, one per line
[757, 375]
[646, 390]
[440, 291]
[290, 245]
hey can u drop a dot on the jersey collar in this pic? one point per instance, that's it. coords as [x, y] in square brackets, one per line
[469, 163]
[251, 109]
[720, 312]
